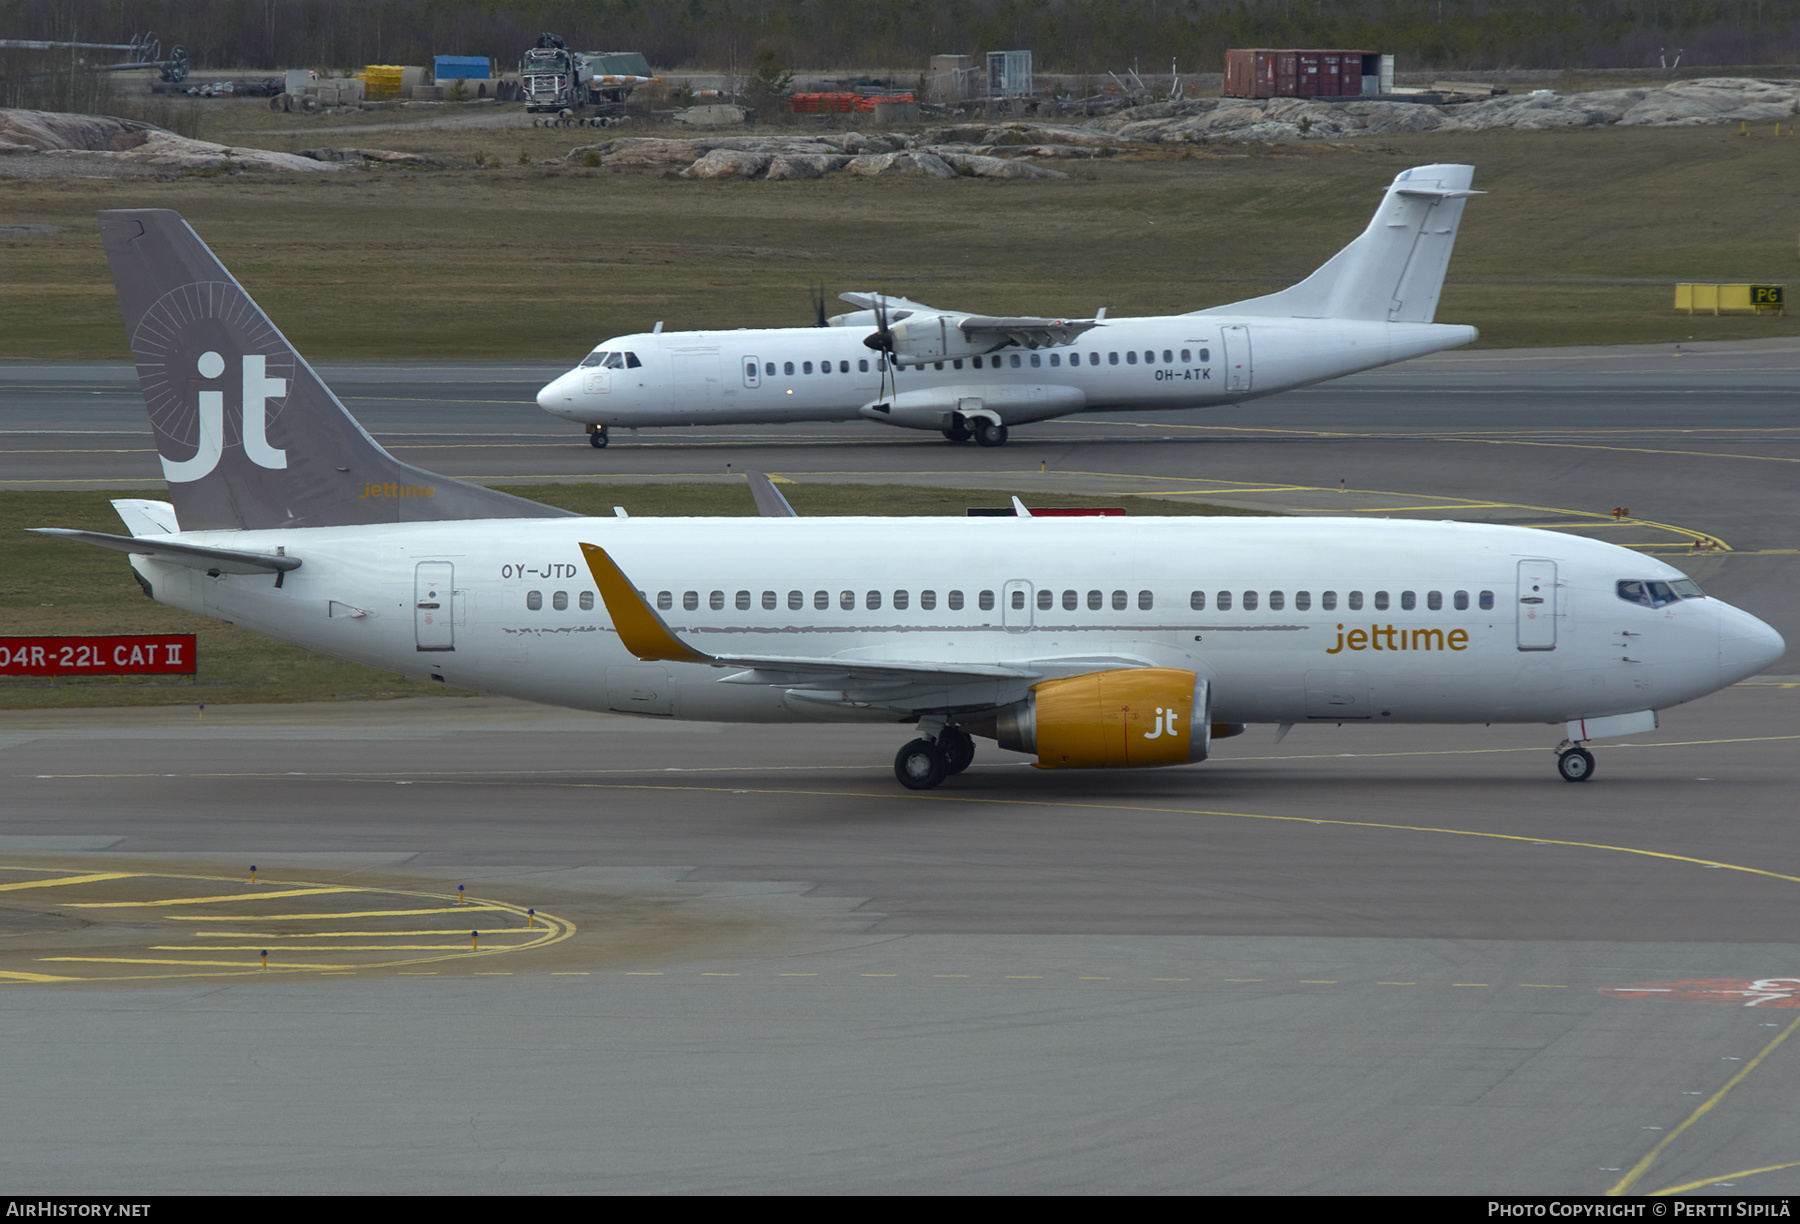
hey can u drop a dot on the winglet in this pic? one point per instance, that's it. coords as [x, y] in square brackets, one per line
[769, 501]
[639, 627]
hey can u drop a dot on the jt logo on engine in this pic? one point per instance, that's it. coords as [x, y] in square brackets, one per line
[258, 389]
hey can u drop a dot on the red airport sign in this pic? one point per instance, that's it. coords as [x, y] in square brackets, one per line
[157, 654]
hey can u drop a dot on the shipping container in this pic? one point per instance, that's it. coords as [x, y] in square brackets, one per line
[1266, 73]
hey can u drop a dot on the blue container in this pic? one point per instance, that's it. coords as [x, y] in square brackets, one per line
[460, 68]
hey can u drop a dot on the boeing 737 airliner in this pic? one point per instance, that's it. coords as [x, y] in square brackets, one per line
[1099, 642]
[907, 364]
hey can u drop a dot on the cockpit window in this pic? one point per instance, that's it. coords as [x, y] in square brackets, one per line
[593, 359]
[1651, 594]
[611, 360]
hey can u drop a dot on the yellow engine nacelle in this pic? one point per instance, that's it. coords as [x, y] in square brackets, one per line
[1112, 720]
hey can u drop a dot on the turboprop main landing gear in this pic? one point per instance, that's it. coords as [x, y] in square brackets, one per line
[958, 429]
[597, 437]
[1573, 762]
[924, 763]
[989, 433]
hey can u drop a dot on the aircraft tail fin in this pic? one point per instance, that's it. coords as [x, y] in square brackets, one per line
[1394, 271]
[248, 434]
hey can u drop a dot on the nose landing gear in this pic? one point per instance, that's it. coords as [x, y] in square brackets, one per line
[1573, 762]
[597, 437]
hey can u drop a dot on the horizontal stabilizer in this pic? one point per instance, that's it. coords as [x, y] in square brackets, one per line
[769, 501]
[194, 556]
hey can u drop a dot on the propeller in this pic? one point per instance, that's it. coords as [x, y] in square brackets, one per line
[881, 340]
[817, 294]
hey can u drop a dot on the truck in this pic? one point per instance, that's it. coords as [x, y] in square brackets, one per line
[555, 79]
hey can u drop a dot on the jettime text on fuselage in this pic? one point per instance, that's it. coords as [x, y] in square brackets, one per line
[1386, 637]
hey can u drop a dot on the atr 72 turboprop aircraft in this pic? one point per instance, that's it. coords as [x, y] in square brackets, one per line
[1085, 642]
[977, 375]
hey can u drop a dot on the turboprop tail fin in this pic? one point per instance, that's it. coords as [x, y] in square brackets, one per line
[248, 434]
[1395, 270]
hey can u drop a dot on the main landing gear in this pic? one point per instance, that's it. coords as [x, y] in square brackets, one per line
[924, 763]
[1573, 762]
[985, 432]
[597, 437]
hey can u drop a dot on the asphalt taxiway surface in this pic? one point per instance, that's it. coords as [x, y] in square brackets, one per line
[1362, 960]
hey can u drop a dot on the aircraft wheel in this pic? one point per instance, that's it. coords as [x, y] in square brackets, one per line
[920, 765]
[1575, 765]
[989, 434]
[957, 430]
[958, 748]
[598, 438]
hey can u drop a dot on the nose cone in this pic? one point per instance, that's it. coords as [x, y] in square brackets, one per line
[1746, 645]
[557, 398]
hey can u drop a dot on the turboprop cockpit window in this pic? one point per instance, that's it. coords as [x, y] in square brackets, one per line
[1651, 594]
[593, 359]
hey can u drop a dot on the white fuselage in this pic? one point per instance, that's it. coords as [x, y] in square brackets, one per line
[827, 373]
[1423, 623]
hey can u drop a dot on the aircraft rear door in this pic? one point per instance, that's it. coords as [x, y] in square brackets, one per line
[1537, 605]
[434, 625]
[1239, 372]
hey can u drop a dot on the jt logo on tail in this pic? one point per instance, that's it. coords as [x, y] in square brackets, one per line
[258, 390]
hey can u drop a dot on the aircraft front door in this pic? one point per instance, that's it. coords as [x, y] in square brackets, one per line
[696, 382]
[1239, 372]
[434, 601]
[1015, 606]
[1537, 605]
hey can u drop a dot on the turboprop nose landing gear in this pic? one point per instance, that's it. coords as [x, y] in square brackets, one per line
[597, 437]
[1573, 762]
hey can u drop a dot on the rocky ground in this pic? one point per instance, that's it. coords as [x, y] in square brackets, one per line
[42, 144]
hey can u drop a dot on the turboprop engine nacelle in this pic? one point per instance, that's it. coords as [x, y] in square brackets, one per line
[939, 338]
[1112, 720]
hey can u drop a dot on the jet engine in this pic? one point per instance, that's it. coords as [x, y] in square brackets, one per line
[1129, 718]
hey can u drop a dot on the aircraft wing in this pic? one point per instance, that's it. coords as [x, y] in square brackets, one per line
[646, 635]
[1025, 332]
[894, 305]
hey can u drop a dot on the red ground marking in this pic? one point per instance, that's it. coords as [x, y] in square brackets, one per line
[1730, 992]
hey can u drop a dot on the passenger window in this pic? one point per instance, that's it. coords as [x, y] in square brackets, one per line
[1381, 601]
[1046, 599]
[1355, 601]
[1018, 601]
[822, 600]
[560, 601]
[1328, 601]
[769, 369]
[978, 363]
[1223, 603]
[743, 600]
[796, 600]
[1197, 601]
[665, 600]
[863, 365]
[1186, 356]
[534, 600]
[787, 367]
[1249, 601]
[847, 600]
[769, 601]
[1150, 357]
[1168, 357]
[690, 600]
[957, 363]
[1094, 359]
[1112, 359]
[1277, 601]
[900, 601]
[806, 367]
[1131, 357]
[1118, 601]
[1434, 600]
[1055, 359]
[1487, 601]
[843, 367]
[937, 365]
[716, 601]
[587, 601]
[1095, 600]
[1205, 354]
[955, 601]
[1302, 601]
[986, 601]
[1071, 600]
[1408, 601]
[872, 601]
[1461, 600]
[927, 600]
